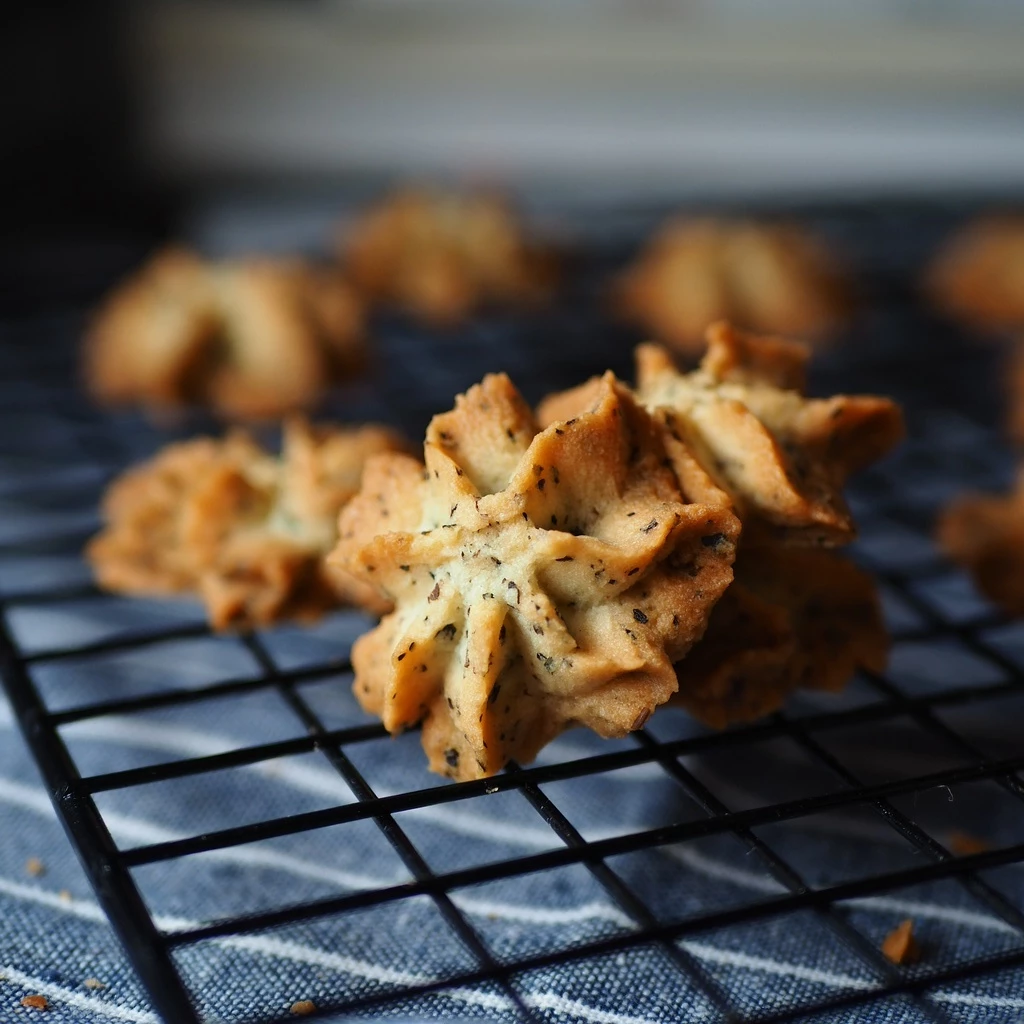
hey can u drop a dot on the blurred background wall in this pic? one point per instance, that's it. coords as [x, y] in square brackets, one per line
[120, 117]
[636, 94]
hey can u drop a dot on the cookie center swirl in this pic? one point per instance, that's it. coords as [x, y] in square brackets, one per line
[540, 578]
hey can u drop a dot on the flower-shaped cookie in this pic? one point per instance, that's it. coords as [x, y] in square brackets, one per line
[781, 457]
[793, 618]
[740, 431]
[541, 579]
[763, 277]
[244, 529]
[985, 535]
[252, 338]
[443, 255]
[979, 274]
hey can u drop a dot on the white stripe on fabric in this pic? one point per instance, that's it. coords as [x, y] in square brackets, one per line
[197, 743]
[30, 893]
[80, 1001]
[965, 999]
[572, 1008]
[746, 961]
[281, 949]
[194, 743]
[296, 952]
[697, 861]
[141, 831]
[145, 832]
[173, 739]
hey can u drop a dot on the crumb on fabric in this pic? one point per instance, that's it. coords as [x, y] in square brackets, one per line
[963, 844]
[35, 867]
[35, 1003]
[900, 946]
[93, 983]
[302, 1007]
[64, 896]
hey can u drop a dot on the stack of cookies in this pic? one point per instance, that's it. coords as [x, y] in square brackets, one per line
[613, 551]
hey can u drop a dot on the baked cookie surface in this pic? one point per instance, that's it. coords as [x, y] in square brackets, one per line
[245, 530]
[739, 433]
[249, 338]
[793, 618]
[979, 274]
[774, 278]
[541, 578]
[985, 535]
[441, 256]
[739, 430]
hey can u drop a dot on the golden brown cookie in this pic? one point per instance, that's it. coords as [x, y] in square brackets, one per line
[252, 338]
[541, 578]
[442, 256]
[793, 618]
[739, 429]
[774, 278]
[985, 535]
[244, 529]
[979, 274]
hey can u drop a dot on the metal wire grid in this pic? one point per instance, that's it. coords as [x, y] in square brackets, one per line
[52, 438]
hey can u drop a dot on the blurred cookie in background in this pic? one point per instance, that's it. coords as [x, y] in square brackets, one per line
[441, 256]
[984, 534]
[248, 338]
[978, 275]
[775, 278]
[239, 527]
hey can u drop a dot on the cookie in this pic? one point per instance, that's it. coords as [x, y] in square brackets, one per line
[441, 256]
[740, 427]
[250, 338]
[772, 278]
[541, 578]
[793, 618]
[985, 535]
[245, 530]
[978, 276]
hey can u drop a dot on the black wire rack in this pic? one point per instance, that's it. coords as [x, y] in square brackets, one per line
[59, 452]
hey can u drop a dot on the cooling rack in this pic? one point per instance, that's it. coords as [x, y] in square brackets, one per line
[956, 670]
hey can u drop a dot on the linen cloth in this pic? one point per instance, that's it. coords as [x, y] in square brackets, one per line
[53, 936]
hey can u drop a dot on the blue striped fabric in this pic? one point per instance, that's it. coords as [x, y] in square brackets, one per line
[53, 936]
